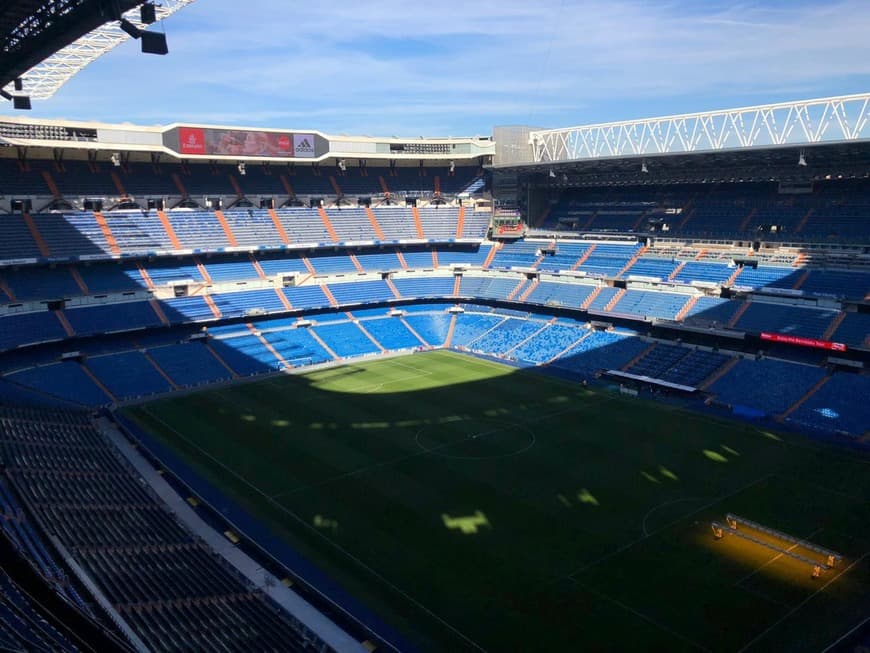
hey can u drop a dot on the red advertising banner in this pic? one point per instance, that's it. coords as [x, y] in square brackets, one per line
[191, 140]
[803, 342]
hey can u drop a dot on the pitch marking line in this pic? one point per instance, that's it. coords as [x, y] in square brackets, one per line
[845, 635]
[664, 505]
[643, 616]
[800, 605]
[776, 557]
[322, 536]
[662, 528]
[416, 454]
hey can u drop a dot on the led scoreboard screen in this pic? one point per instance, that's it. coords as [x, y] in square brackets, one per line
[245, 142]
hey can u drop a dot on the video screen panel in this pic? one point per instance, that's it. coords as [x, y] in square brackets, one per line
[245, 142]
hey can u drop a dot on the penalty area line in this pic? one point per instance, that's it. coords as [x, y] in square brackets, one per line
[643, 616]
[800, 605]
[626, 547]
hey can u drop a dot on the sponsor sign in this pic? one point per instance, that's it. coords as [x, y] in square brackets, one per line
[803, 342]
[191, 140]
[303, 145]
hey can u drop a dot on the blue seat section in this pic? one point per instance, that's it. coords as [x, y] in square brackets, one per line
[608, 260]
[652, 267]
[476, 224]
[345, 339]
[419, 260]
[440, 223]
[107, 318]
[781, 318]
[162, 272]
[333, 264]
[128, 375]
[303, 226]
[552, 293]
[765, 275]
[521, 253]
[298, 347]
[767, 385]
[839, 405]
[712, 311]
[678, 365]
[351, 225]
[383, 262]
[281, 263]
[603, 298]
[396, 222]
[65, 380]
[360, 292]
[704, 271]
[72, 234]
[136, 232]
[245, 354]
[24, 625]
[601, 350]
[548, 344]
[234, 270]
[492, 287]
[566, 256]
[432, 327]
[198, 230]
[186, 309]
[695, 368]
[854, 330]
[26, 328]
[646, 303]
[447, 257]
[470, 326]
[40, 283]
[306, 297]
[840, 283]
[15, 240]
[189, 364]
[424, 286]
[238, 304]
[253, 228]
[507, 335]
[111, 277]
[391, 333]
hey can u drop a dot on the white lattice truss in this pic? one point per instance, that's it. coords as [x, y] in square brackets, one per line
[845, 118]
[44, 79]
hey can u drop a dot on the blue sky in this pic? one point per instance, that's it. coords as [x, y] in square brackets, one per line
[459, 68]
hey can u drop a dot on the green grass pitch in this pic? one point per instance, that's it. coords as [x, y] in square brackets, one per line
[477, 507]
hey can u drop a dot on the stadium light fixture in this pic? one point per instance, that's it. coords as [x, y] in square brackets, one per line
[243, 169]
[21, 102]
[342, 165]
[802, 159]
[552, 174]
[116, 160]
[130, 28]
[452, 167]
[148, 13]
[643, 168]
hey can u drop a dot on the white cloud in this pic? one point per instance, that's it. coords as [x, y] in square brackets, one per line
[408, 68]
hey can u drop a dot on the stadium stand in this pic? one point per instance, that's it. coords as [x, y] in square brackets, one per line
[155, 574]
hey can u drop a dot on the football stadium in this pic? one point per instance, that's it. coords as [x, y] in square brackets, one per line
[595, 388]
